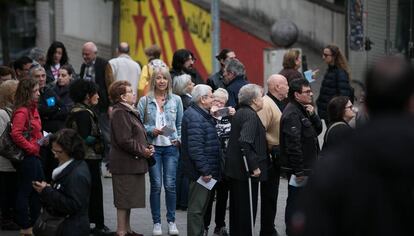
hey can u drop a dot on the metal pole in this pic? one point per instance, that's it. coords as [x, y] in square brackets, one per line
[388, 28]
[52, 28]
[215, 39]
[250, 196]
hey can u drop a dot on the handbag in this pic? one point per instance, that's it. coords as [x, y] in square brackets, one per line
[9, 149]
[48, 224]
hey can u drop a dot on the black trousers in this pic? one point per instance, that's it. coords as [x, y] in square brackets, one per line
[8, 194]
[294, 193]
[221, 190]
[96, 213]
[240, 206]
[269, 191]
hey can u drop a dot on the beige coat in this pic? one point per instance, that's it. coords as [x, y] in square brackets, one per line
[128, 142]
[270, 116]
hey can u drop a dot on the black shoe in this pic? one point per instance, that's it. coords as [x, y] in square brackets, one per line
[101, 231]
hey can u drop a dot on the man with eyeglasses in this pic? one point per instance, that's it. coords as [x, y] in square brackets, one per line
[299, 147]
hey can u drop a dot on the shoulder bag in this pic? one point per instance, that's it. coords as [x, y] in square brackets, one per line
[48, 224]
[9, 149]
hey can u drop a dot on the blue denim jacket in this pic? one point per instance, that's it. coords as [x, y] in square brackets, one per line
[173, 109]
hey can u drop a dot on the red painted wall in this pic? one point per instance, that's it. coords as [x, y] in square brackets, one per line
[248, 49]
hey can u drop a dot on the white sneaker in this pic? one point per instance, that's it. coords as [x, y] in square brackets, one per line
[157, 229]
[172, 229]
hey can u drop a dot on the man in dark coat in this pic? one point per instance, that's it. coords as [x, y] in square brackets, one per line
[234, 79]
[299, 147]
[365, 186]
[216, 80]
[201, 155]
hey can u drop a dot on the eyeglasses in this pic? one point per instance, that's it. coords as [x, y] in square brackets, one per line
[57, 151]
[309, 91]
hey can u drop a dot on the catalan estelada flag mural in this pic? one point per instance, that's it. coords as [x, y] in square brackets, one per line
[172, 25]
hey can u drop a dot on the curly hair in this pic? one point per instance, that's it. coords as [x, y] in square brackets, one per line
[80, 88]
[71, 143]
[339, 59]
[52, 49]
[24, 93]
[180, 57]
[118, 88]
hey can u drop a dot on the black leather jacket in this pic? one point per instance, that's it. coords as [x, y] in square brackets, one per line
[299, 144]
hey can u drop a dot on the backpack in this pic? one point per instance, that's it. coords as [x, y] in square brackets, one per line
[98, 146]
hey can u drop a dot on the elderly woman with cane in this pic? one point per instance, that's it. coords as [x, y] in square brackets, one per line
[246, 163]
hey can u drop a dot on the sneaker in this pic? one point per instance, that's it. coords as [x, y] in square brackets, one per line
[172, 229]
[157, 229]
[220, 231]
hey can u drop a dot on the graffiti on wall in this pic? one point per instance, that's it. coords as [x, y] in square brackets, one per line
[172, 25]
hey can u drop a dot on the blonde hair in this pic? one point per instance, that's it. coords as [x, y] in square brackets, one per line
[164, 72]
[7, 91]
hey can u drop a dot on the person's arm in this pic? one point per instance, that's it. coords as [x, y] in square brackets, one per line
[123, 139]
[196, 144]
[143, 80]
[84, 126]
[71, 202]
[292, 130]
[343, 85]
[179, 118]
[20, 125]
[247, 139]
[142, 109]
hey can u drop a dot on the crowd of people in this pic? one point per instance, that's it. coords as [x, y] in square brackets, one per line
[204, 141]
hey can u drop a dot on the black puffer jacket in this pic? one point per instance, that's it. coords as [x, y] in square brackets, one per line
[299, 146]
[335, 83]
[69, 196]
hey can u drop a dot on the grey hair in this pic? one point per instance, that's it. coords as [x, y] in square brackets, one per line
[235, 66]
[221, 93]
[164, 72]
[35, 67]
[36, 54]
[248, 93]
[180, 84]
[91, 45]
[199, 91]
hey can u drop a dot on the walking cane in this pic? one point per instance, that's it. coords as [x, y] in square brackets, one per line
[250, 196]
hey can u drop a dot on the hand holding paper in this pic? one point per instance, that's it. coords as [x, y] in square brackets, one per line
[167, 131]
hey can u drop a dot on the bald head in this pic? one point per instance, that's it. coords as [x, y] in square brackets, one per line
[278, 86]
[123, 48]
[89, 51]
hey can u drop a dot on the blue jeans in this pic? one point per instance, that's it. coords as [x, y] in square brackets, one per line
[164, 169]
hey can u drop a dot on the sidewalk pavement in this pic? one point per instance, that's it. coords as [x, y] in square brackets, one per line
[141, 220]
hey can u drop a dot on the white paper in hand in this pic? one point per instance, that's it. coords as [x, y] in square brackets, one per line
[167, 131]
[45, 138]
[208, 185]
[293, 181]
